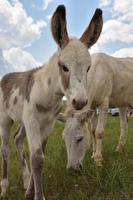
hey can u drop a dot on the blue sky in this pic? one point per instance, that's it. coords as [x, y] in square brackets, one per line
[77, 20]
[26, 40]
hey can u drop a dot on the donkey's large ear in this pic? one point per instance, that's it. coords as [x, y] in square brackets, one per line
[85, 115]
[93, 31]
[61, 117]
[59, 26]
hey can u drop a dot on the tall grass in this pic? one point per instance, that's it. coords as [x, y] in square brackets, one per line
[112, 181]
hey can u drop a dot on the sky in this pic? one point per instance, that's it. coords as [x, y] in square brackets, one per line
[25, 36]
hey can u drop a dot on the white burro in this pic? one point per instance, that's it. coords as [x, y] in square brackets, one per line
[34, 97]
[109, 84]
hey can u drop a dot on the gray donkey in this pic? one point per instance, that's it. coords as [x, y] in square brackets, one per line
[109, 82]
[34, 97]
[79, 134]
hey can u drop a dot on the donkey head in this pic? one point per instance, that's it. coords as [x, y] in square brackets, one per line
[76, 136]
[74, 59]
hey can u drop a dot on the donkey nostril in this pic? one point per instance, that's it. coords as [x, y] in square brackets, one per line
[74, 102]
[79, 104]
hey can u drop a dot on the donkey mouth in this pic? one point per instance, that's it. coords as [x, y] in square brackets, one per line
[76, 169]
[79, 106]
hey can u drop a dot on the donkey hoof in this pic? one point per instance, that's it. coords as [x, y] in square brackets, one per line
[36, 198]
[93, 155]
[119, 148]
[2, 195]
[25, 186]
[99, 163]
[98, 159]
[29, 196]
[4, 187]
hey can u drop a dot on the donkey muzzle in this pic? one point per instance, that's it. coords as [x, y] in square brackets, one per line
[79, 104]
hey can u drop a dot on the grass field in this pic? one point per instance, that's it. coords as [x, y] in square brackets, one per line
[113, 181]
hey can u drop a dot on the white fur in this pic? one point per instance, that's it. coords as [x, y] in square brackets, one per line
[75, 57]
[110, 80]
[109, 85]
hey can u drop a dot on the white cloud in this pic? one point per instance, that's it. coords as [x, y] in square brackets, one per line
[123, 6]
[49, 17]
[105, 2]
[116, 30]
[123, 10]
[16, 27]
[120, 26]
[46, 3]
[125, 52]
[17, 30]
[95, 49]
[19, 60]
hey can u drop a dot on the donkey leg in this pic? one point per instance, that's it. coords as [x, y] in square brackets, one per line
[93, 128]
[93, 144]
[31, 190]
[5, 132]
[36, 155]
[19, 139]
[124, 128]
[100, 131]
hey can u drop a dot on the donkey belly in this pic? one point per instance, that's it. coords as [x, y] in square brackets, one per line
[13, 105]
[122, 98]
[15, 111]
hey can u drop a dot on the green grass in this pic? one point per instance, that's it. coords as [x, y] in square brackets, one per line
[112, 181]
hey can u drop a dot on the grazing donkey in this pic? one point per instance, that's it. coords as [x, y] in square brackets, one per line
[76, 135]
[109, 83]
[34, 97]
[79, 134]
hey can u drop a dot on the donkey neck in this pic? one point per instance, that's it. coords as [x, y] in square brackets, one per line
[48, 79]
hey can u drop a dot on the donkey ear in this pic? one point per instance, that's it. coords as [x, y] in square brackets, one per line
[59, 26]
[85, 115]
[61, 117]
[93, 31]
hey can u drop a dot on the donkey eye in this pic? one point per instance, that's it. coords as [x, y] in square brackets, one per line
[88, 68]
[63, 67]
[79, 140]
